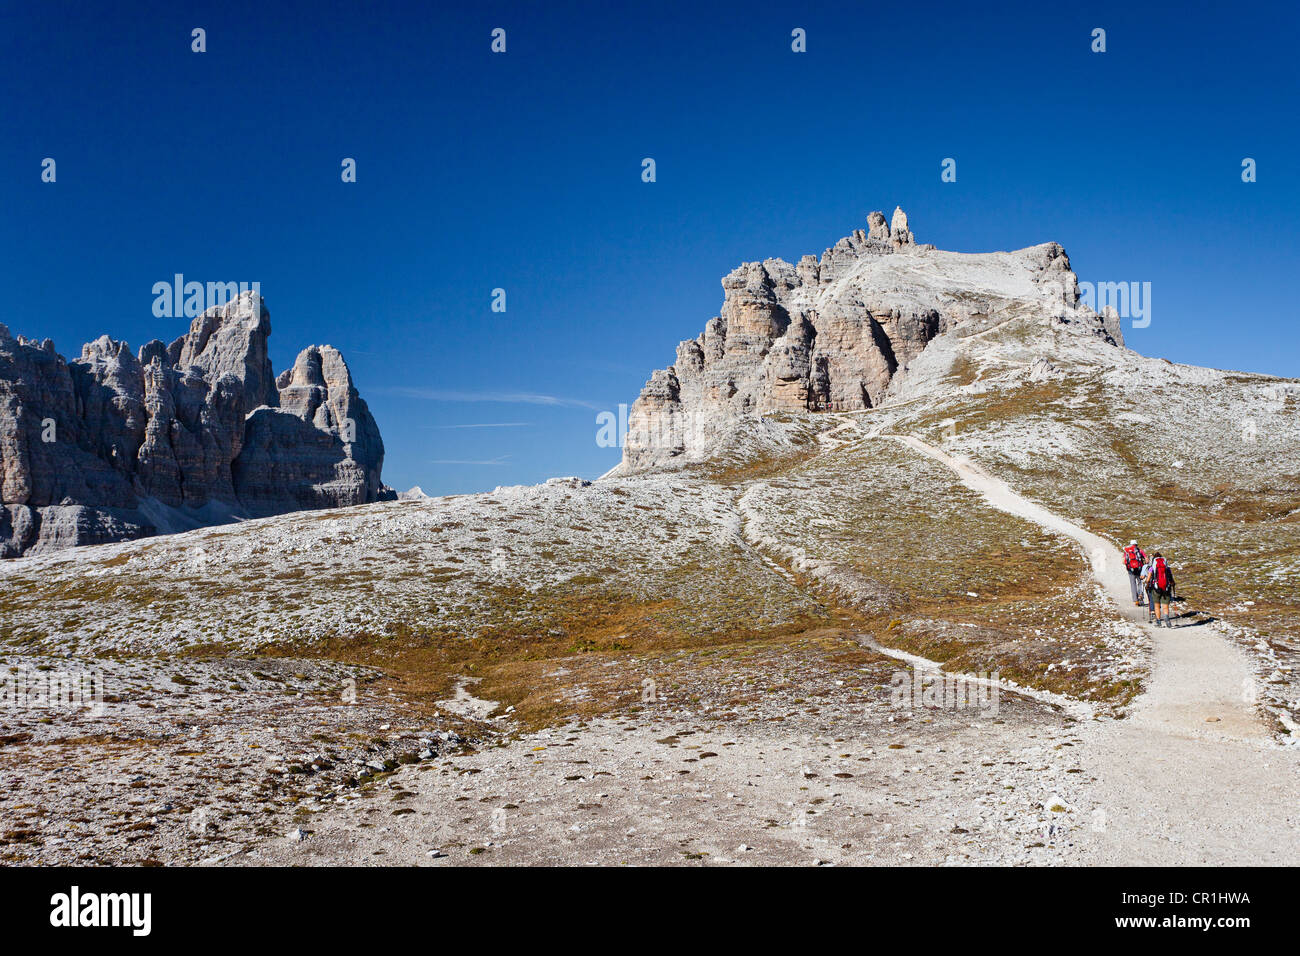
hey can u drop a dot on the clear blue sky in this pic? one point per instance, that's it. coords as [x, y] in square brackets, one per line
[522, 171]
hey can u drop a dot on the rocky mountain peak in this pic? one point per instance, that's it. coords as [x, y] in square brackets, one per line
[231, 339]
[117, 445]
[833, 333]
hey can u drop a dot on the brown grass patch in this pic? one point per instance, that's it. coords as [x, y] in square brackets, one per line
[757, 469]
[516, 664]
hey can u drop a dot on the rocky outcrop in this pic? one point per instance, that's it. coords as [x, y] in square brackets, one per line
[116, 444]
[319, 449]
[831, 334]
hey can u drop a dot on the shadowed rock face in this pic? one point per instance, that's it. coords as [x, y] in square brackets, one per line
[117, 445]
[827, 335]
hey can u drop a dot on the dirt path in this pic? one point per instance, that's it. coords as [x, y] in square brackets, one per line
[1192, 775]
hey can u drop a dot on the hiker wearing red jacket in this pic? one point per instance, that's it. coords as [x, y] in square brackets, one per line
[1162, 581]
[1134, 560]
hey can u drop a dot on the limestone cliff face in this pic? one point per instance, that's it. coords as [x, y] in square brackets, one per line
[116, 445]
[336, 461]
[828, 334]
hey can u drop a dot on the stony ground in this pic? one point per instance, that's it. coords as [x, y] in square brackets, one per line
[707, 666]
[462, 564]
[806, 753]
[841, 780]
[192, 760]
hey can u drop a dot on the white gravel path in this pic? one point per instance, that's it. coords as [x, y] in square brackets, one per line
[1192, 776]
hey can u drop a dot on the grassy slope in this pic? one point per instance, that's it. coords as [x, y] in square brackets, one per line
[508, 588]
[1199, 464]
[563, 600]
[944, 575]
[1225, 511]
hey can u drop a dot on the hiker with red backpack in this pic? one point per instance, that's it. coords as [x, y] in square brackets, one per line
[1134, 561]
[1162, 589]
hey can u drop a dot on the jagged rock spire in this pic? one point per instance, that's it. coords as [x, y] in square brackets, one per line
[878, 228]
[898, 231]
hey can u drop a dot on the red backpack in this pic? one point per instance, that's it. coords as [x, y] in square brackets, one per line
[1133, 557]
[1161, 574]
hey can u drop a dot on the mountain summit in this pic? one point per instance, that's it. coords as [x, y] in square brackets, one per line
[835, 333]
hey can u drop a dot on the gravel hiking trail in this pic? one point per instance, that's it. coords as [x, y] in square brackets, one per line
[1191, 776]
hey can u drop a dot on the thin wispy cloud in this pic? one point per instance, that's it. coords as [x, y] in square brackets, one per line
[502, 460]
[505, 398]
[484, 425]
